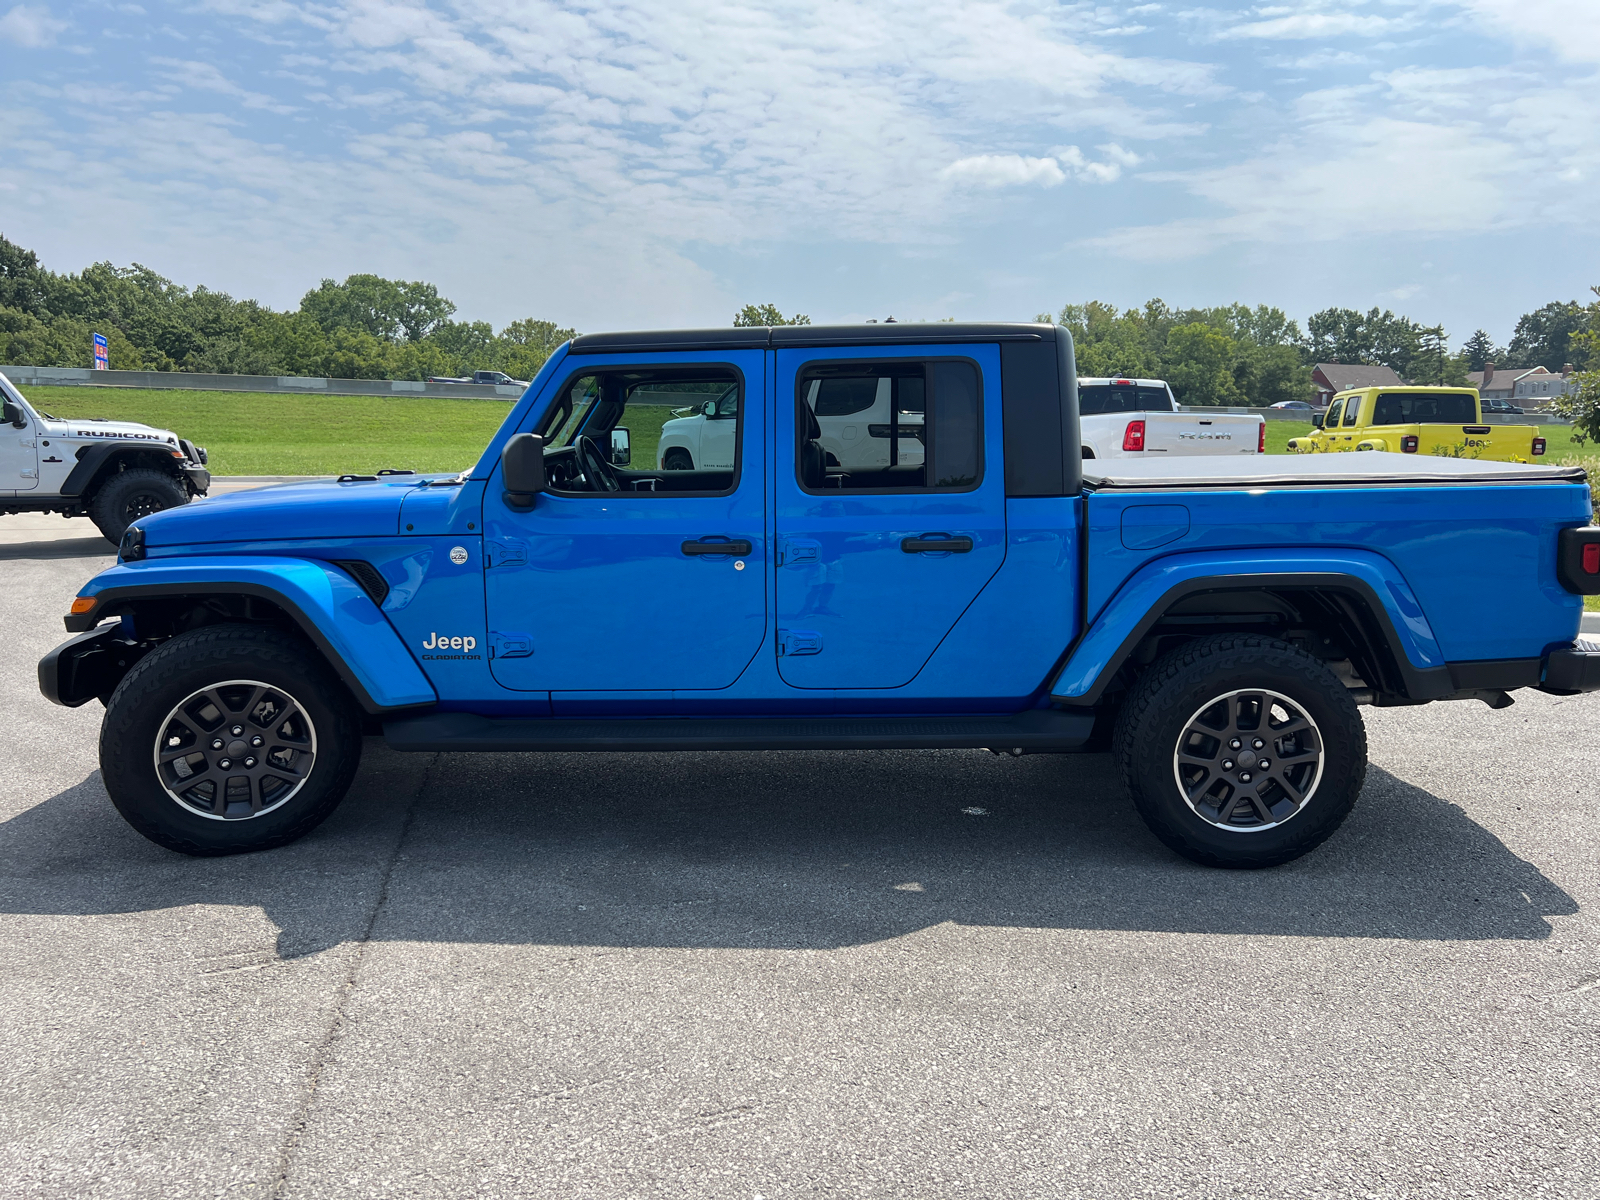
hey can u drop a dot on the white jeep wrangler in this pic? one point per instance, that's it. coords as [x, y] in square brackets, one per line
[112, 471]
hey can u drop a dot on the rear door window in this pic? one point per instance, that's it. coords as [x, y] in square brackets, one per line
[904, 425]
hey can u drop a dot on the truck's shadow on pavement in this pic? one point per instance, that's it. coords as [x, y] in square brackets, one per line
[778, 850]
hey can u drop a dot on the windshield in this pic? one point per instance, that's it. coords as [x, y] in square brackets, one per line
[1416, 408]
[1116, 398]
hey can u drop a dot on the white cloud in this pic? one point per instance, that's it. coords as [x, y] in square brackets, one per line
[1304, 25]
[30, 26]
[1005, 170]
[1570, 28]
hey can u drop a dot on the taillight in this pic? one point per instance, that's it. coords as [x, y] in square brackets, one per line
[1408, 444]
[1591, 559]
[1261, 439]
[1578, 560]
[1538, 445]
[1133, 439]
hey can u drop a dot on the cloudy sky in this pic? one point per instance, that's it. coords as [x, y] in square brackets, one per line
[620, 164]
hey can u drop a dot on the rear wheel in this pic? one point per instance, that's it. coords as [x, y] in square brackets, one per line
[228, 739]
[1241, 751]
[129, 495]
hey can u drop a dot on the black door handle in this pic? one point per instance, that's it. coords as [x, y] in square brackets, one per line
[952, 545]
[737, 549]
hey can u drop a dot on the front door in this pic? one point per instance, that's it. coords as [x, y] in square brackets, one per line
[625, 576]
[19, 454]
[886, 537]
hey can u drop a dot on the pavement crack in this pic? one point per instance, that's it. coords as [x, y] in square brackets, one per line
[347, 986]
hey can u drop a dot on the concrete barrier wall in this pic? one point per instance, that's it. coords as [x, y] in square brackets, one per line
[26, 377]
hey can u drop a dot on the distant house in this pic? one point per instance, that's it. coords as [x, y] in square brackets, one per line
[1534, 385]
[1330, 378]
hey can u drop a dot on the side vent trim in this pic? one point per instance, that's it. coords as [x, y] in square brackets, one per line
[368, 576]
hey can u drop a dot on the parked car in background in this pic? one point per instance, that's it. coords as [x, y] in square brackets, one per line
[1502, 407]
[1298, 405]
[1125, 418]
[1443, 421]
[483, 377]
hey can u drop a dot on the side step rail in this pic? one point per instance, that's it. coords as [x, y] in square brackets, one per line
[1037, 730]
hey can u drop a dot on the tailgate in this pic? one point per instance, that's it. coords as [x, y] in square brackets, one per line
[1201, 433]
[1493, 443]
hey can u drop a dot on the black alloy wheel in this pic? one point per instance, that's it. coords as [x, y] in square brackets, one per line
[1241, 751]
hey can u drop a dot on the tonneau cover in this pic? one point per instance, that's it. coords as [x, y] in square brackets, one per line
[1368, 468]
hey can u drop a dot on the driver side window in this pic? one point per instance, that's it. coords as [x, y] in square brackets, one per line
[682, 426]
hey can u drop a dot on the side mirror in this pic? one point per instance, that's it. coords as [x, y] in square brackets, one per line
[621, 447]
[709, 408]
[1316, 419]
[13, 415]
[522, 469]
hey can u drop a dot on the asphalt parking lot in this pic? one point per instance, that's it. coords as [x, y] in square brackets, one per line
[730, 975]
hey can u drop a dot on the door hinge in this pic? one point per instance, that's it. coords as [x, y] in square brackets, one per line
[798, 550]
[792, 643]
[498, 553]
[509, 645]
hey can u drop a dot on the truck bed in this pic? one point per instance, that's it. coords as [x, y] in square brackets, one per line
[1362, 469]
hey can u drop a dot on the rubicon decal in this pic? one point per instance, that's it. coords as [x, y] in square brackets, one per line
[441, 643]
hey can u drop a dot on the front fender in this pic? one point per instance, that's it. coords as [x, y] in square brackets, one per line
[1149, 592]
[329, 607]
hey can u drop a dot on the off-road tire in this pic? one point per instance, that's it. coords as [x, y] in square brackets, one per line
[128, 495]
[1171, 695]
[139, 712]
[677, 459]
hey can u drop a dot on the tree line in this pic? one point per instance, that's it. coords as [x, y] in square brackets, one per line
[368, 327]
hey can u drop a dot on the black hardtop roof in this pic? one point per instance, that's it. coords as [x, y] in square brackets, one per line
[777, 337]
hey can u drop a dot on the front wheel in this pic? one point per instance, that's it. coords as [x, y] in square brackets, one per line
[1241, 751]
[129, 495]
[227, 739]
[677, 459]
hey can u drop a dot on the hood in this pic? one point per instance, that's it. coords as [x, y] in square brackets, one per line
[323, 508]
[93, 429]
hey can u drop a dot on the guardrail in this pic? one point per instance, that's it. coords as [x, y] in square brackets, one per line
[26, 377]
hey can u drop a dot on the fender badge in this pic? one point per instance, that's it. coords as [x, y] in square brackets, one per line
[458, 555]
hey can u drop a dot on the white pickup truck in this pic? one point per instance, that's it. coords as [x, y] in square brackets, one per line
[1130, 418]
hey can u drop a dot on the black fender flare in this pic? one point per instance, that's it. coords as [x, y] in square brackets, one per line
[93, 459]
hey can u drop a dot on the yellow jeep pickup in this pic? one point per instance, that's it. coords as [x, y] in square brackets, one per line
[1417, 420]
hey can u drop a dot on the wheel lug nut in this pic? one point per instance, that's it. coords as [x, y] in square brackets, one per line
[249, 762]
[255, 741]
[1227, 764]
[1244, 776]
[217, 744]
[1258, 743]
[237, 730]
[226, 764]
[1235, 744]
[1263, 764]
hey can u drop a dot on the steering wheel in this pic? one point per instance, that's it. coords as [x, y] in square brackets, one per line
[598, 471]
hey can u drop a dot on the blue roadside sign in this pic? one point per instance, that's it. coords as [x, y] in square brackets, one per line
[101, 354]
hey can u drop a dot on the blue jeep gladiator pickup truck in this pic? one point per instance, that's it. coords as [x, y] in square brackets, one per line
[1215, 622]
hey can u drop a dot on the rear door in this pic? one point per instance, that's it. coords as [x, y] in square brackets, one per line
[881, 550]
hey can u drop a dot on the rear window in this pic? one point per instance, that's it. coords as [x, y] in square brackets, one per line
[1113, 398]
[1418, 408]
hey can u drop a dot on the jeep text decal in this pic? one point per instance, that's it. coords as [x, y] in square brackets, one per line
[440, 641]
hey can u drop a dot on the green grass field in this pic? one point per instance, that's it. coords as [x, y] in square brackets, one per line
[251, 433]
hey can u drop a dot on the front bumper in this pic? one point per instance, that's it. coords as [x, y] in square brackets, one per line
[1573, 670]
[199, 480]
[88, 666]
